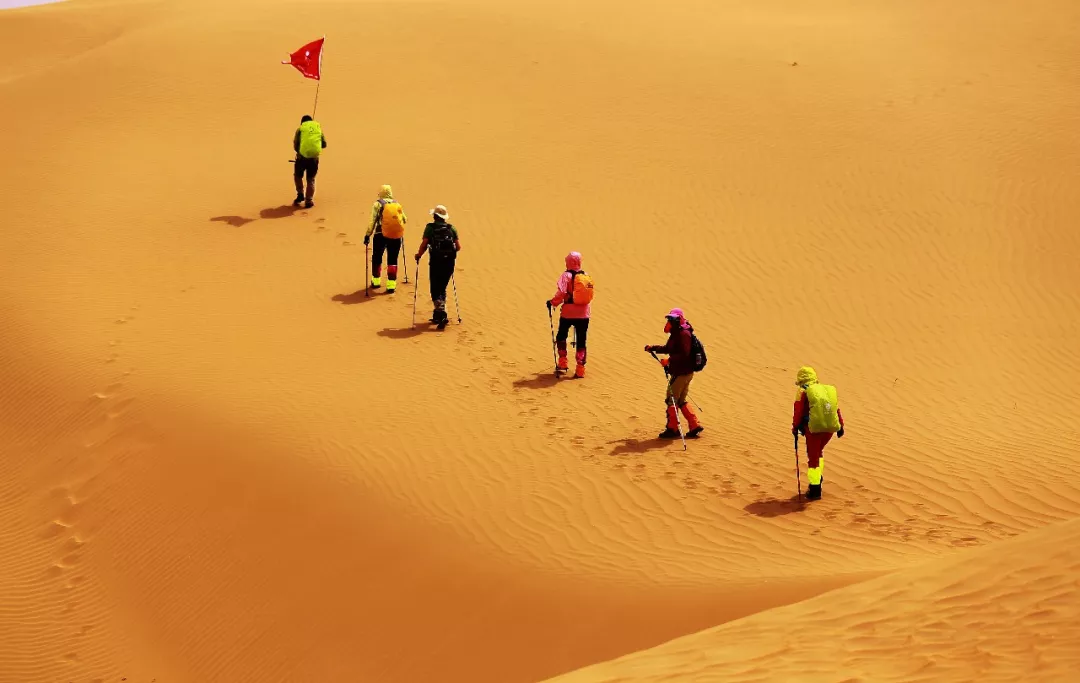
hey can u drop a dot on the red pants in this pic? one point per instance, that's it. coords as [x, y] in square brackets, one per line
[815, 444]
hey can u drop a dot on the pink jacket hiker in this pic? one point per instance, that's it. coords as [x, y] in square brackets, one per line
[570, 311]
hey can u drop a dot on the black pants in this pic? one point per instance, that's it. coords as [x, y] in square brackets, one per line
[440, 270]
[302, 167]
[392, 247]
[581, 331]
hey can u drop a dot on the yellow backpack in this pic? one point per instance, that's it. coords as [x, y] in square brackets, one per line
[823, 405]
[310, 139]
[392, 219]
[580, 290]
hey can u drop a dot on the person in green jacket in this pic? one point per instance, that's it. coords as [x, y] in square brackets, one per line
[308, 143]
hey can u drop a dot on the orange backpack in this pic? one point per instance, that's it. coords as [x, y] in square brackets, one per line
[390, 219]
[580, 290]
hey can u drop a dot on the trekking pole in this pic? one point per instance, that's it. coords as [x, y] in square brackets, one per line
[404, 260]
[677, 420]
[367, 262]
[457, 304]
[798, 475]
[554, 355]
[416, 288]
[690, 397]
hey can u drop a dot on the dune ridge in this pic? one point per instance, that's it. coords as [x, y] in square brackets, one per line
[225, 463]
[1006, 612]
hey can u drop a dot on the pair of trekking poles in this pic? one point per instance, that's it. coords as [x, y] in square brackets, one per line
[678, 420]
[416, 289]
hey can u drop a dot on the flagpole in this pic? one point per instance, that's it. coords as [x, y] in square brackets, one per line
[321, 50]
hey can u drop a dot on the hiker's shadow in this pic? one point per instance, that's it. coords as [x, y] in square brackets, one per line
[407, 333]
[283, 211]
[357, 297]
[631, 445]
[541, 380]
[235, 221]
[776, 507]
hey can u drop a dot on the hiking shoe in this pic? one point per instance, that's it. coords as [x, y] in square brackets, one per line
[669, 433]
[308, 204]
[813, 492]
[299, 200]
[693, 433]
[562, 365]
[579, 372]
[441, 325]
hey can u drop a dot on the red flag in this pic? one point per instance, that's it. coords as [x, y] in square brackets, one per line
[308, 59]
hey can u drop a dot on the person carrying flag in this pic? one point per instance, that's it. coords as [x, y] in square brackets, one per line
[388, 221]
[308, 143]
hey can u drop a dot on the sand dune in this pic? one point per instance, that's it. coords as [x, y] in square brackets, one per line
[221, 463]
[1007, 612]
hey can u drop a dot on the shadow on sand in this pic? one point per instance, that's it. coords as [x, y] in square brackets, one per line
[541, 380]
[235, 221]
[625, 446]
[775, 507]
[283, 211]
[357, 297]
[407, 333]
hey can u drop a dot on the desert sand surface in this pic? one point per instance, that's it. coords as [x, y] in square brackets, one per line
[1004, 612]
[222, 462]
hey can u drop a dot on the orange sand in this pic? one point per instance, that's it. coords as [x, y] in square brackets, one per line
[220, 464]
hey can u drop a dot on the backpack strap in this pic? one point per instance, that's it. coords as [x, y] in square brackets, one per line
[570, 287]
[378, 219]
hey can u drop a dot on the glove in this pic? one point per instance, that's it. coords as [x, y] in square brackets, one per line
[367, 240]
[794, 431]
[648, 349]
[418, 258]
[840, 434]
[548, 304]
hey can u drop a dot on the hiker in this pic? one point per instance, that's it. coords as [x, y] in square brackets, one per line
[442, 238]
[308, 143]
[679, 367]
[574, 293]
[816, 416]
[388, 221]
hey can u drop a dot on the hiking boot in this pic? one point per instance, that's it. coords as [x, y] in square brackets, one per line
[672, 430]
[579, 372]
[376, 282]
[813, 492]
[562, 365]
[391, 286]
[441, 325]
[308, 203]
[692, 423]
[299, 200]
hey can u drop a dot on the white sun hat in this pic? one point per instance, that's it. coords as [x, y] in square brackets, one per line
[440, 211]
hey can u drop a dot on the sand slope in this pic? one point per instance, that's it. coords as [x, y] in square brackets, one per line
[1009, 612]
[221, 463]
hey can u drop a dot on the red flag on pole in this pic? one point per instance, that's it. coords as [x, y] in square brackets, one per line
[308, 59]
